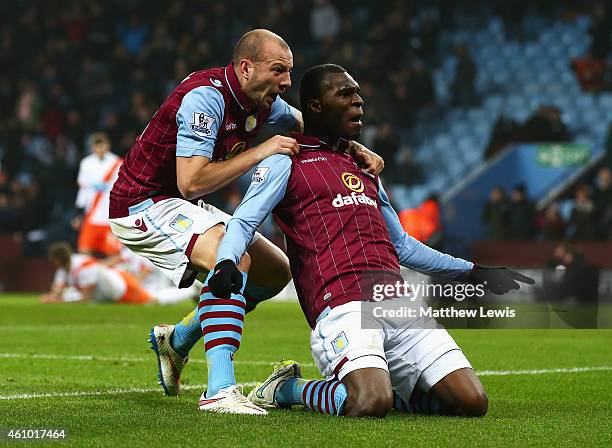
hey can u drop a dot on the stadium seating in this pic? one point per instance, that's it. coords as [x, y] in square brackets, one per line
[514, 77]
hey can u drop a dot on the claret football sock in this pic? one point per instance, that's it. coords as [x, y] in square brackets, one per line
[188, 331]
[221, 320]
[325, 397]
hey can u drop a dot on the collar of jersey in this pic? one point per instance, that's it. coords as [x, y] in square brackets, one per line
[311, 143]
[234, 86]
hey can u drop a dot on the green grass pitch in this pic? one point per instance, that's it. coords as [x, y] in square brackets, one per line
[88, 368]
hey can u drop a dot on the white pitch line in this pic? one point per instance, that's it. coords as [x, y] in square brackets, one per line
[9, 328]
[271, 363]
[126, 359]
[543, 371]
[203, 386]
[127, 390]
[142, 390]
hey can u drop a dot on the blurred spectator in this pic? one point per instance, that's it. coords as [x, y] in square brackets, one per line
[29, 106]
[521, 215]
[545, 125]
[401, 168]
[512, 13]
[590, 72]
[63, 168]
[406, 171]
[419, 84]
[463, 87]
[423, 222]
[608, 144]
[576, 280]
[495, 214]
[133, 34]
[9, 220]
[552, 224]
[601, 31]
[97, 173]
[324, 21]
[505, 131]
[386, 141]
[428, 40]
[602, 198]
[33, 208]
[583, 214]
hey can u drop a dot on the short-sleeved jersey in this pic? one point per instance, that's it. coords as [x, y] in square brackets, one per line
[206, 115]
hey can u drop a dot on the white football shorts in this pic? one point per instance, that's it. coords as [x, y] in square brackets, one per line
[412, 356]
[165, 233]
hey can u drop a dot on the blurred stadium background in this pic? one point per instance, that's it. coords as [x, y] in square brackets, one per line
[493, 117]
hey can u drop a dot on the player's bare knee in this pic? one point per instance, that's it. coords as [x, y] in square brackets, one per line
[369, 405]
[204, 252]
[285, 273]
[369, 402]
[474, 404]
[479, 405]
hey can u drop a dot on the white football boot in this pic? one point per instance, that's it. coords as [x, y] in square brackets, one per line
[169, 362]
[229, 401]
[264, 394]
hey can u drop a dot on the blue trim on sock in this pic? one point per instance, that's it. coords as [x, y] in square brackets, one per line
[185, 336]
[290, 392]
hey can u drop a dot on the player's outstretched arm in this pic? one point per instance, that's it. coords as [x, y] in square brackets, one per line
[422, 258]
[415, 255]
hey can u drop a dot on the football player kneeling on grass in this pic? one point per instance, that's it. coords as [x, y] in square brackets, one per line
[339, 227]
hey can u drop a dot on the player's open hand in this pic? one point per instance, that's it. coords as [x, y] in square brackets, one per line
[279, 144]
[370, 161]
[498, 280]
[227, 279]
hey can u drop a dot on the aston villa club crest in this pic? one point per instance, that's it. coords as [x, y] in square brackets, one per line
[340, 342]
[181, 223]
[251, 123]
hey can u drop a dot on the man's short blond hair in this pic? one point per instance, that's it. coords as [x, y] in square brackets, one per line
[251, 45]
